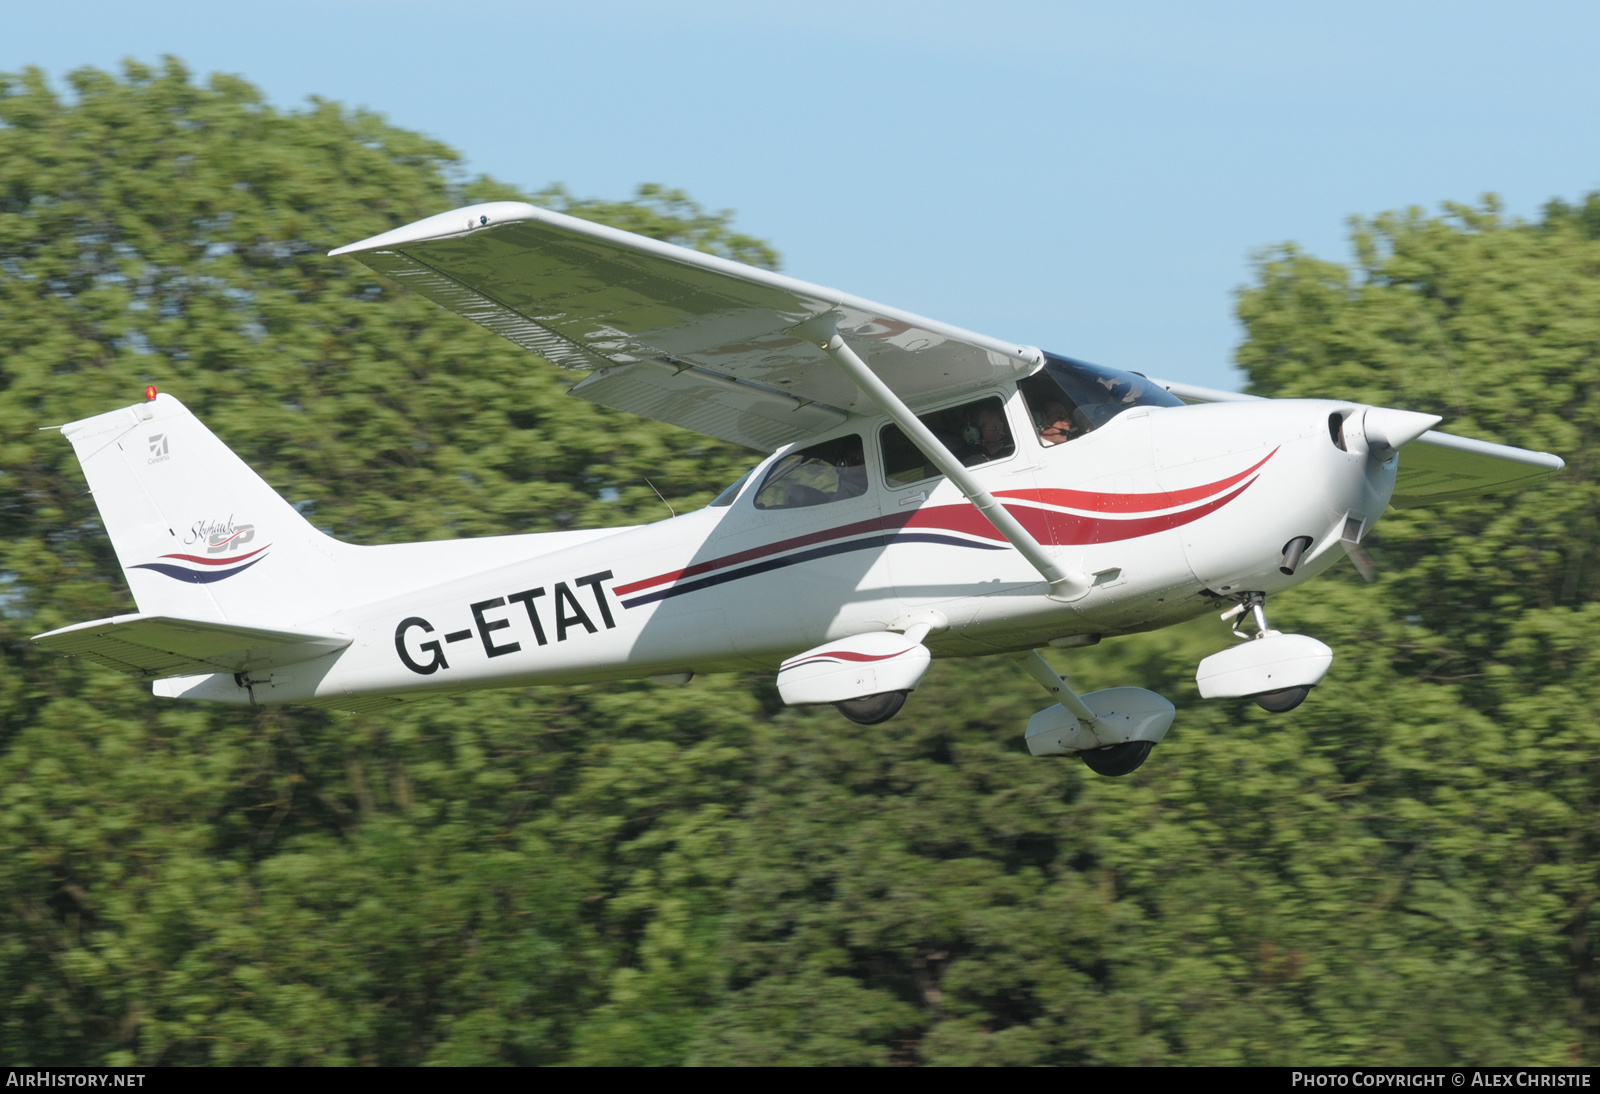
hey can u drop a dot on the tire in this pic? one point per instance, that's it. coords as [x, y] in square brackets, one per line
[1280, 702]
[869, 710]
[1113, 760]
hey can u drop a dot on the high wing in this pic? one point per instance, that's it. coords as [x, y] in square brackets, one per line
[1436, 466]
[1441, 466]
[673, 334]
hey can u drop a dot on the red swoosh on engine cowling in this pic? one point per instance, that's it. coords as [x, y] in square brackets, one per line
[1066, 529]
[1129, 503]
[218, 561]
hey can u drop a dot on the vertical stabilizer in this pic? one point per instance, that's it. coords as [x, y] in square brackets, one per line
[199, 535]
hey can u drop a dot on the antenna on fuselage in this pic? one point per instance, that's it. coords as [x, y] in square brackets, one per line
[664, 501]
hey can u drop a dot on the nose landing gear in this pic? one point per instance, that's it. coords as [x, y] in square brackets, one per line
[1274, 669]
[1256, 605]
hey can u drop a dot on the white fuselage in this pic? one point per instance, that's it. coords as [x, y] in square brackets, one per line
[1171, 509]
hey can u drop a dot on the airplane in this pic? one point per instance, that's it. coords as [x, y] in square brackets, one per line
[925, 491]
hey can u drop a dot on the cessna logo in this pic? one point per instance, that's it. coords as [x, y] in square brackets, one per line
[564, 609]
[220, 536]
[158, 449]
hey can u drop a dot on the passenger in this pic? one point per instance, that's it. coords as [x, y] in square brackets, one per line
[852, 481]
[1057, 425]
[994, 439]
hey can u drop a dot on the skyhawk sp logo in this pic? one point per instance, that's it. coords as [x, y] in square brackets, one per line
[219, 538]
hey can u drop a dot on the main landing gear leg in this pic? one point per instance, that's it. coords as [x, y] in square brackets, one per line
[1112, 731]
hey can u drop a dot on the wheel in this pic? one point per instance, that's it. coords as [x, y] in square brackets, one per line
[869, 710]
[1277, 702]
[1122, 759]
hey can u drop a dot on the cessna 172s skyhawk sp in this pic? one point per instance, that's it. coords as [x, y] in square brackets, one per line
[928, 490]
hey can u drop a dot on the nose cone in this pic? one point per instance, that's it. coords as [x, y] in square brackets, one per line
[1388, 430]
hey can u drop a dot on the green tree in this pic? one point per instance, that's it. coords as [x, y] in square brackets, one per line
[465, 882]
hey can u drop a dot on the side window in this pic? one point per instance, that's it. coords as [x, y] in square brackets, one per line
[831, 471]
[726, 498]
[975, 432]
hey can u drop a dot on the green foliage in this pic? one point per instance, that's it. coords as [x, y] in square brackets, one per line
[1402, 870]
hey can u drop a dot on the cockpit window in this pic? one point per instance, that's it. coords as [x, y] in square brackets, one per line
[831, 471]
[974, 432]
[1069, 398]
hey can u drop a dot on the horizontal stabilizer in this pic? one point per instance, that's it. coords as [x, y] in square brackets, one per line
[156, 645]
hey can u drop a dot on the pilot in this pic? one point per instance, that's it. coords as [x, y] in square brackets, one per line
[1057, 425]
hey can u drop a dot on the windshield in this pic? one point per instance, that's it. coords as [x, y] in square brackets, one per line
[1069, 398]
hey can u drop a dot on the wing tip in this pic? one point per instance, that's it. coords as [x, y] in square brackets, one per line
[456, 222]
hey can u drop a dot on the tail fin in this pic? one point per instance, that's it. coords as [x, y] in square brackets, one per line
[198, 534]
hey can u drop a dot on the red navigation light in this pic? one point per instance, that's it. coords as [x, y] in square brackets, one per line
[149, 392]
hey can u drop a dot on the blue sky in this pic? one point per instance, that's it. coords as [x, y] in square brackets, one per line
[1091, 178]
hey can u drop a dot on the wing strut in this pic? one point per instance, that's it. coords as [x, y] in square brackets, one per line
[1064, 584]
[1038, 668]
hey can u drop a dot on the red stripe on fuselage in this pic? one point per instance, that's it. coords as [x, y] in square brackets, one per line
[1046, 525]
[1129, 503]
[876, 524]
[1058, 529]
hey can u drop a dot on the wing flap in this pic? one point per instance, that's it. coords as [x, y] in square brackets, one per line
[154, 645]
[710, 403]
